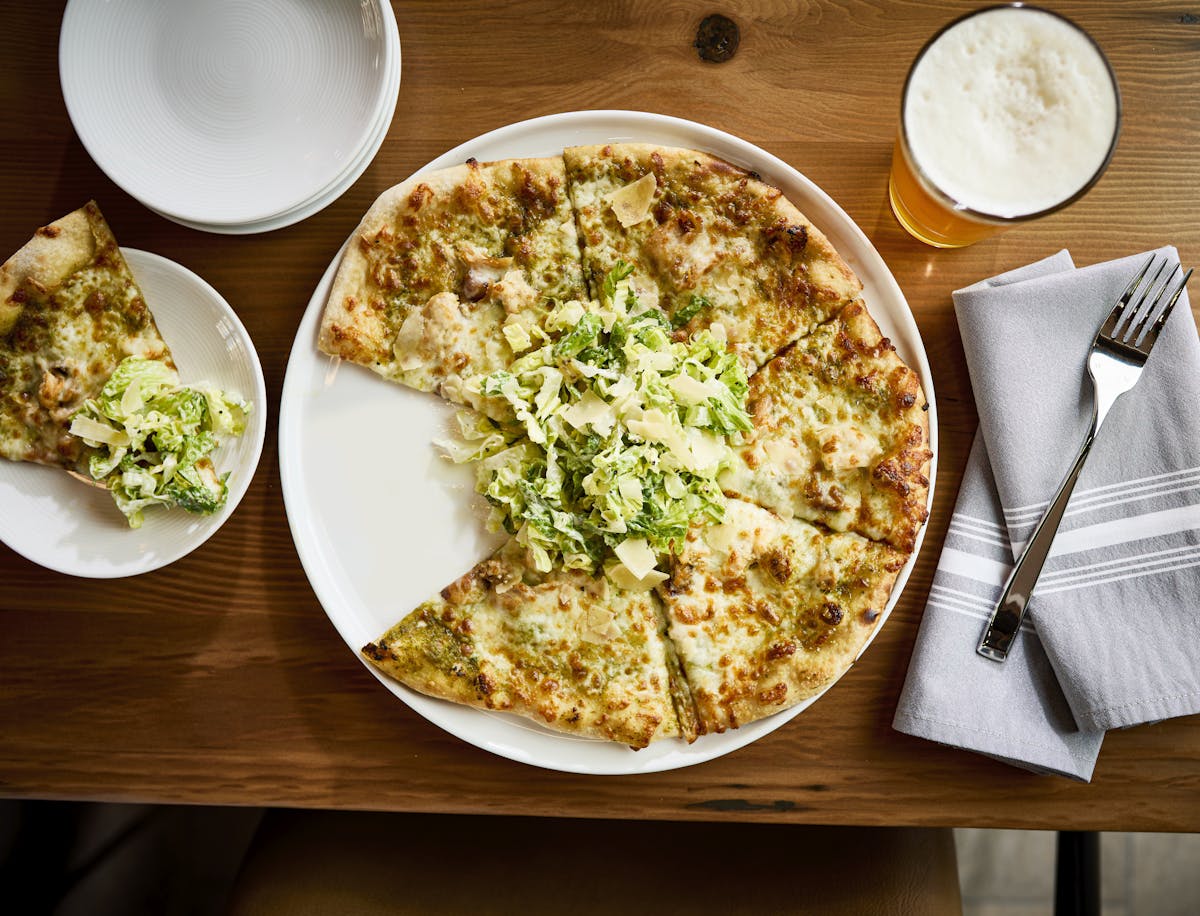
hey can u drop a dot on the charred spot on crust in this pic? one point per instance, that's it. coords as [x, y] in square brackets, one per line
[793, 239]
[50, 232]
[377, 653]
[483, 684]
[420, 195]
[779, 565]
[781, 650]
[776, 694]
[832, 614]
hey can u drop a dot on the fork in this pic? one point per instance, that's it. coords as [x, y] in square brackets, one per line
[1119, 352]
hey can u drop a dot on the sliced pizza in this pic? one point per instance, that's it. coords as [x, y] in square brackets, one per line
[716, 243]
[563, 648]
[841, 434]
[447, 267]
[70, 312]
[765, 612]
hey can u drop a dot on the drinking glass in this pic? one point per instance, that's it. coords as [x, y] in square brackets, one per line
[1008, 114]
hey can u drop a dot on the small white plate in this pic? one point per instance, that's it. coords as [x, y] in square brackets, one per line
[342, 183]
[63, 524]
[381, 521]
[224, 111]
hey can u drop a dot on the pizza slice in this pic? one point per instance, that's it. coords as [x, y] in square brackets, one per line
[70, 313]
[563, 648]
[449, 269]
[841, 434]
[716, 243]
[766, 612]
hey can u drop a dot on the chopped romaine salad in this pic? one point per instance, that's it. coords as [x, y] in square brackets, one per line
[153, 437]
[620, 431]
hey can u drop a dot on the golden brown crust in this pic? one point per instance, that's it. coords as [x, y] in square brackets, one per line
[712, 230]
[439, 233]
[841, 434]
[766, 613]
[70, 311]
[561, 648]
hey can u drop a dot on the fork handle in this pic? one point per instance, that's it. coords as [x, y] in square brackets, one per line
[1002, 626]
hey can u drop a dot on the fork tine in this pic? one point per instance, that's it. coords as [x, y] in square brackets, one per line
[1138, 313]
[1151, 334]
[1108, 329]
[1146, 315]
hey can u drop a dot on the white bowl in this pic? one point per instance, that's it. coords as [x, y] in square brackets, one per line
[63, 524]
[225, 111]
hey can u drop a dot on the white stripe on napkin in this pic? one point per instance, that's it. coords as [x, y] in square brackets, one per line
[976, 522]
[1136, 574]
[981, 616]
[1034, 511]
[1107, 566]
[1123, 530]
[976, 536]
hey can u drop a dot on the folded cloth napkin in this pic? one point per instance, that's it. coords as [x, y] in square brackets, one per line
[1113, 630]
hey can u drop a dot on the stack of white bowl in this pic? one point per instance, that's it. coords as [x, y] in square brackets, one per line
[231, 116]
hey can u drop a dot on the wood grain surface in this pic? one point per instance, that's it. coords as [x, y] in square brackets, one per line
[220, 680]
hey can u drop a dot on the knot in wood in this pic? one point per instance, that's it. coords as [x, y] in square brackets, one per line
[717, 38]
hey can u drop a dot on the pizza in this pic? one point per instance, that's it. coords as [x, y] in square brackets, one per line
[717, 243]
[840, 435]
[564, 648]
[70, 312]
[765, 612]
[442, 263]
[87, 382]
[583, 305]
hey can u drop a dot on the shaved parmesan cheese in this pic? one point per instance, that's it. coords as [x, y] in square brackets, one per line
[631, 203]
[94, 431]
[691, 390]
[408, 340]
[517, 335]
[131, 400]
[637, 556]
[591, 410]
[630, 488]
[708, 449]
[623, 578]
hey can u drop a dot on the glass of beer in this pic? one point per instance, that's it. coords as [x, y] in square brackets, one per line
[1009, 113]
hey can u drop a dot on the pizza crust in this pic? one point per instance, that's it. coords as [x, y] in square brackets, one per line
[841, 434]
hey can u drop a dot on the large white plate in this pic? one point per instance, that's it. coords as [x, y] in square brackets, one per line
[65, 525]
[224, 111]
[381, 522]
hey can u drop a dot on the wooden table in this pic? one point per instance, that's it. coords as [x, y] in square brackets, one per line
[219, 679]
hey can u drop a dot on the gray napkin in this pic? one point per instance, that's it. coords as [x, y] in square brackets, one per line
[1116, 611]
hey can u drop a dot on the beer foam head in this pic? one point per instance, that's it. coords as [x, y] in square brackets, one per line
[1011, 111]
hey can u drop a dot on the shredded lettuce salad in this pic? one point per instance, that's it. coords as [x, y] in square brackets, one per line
[153, 437]
[618, 435]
